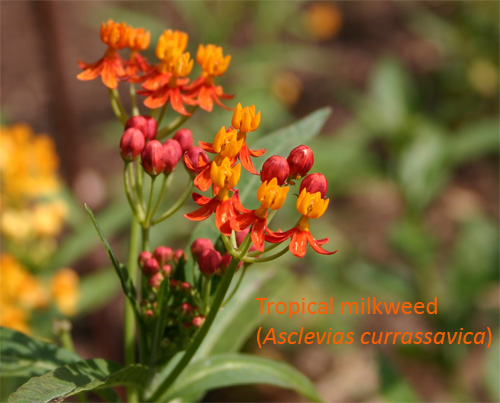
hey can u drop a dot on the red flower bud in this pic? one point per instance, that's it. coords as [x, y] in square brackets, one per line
[185, 307]
[199, 245]
[314, 183]
[275, 167]
[174, 283]
[198, 321]
[178, 255]
[152, 128]
[139, 123]
[226, 261]
[144, 256]
[185, 139]
[155, 281]
[163, 254]
[153, 158]
[209, 261]
[185, 285]
[131, 144]
[240, 237]
[166, 270]
[149, 313]
[300, 160]
[195, 159]
[173, 154]
[150, 267]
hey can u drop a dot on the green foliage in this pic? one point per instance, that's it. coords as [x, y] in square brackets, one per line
[96, 289]
[79, 377]
[22, 356]
[239, 369]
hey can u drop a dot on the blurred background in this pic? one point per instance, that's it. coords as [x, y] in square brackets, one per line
[410, 153]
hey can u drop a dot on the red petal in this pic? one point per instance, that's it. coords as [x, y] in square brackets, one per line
[243, 221]
[157, 98]
[278, 237]
[237, 203]
[205, 99]
[176, 102]
[298, 244]
[258, 233]
[246, 161]
[202, 180]
[203, 212]
[207, 147]
[223, 216]
[201, 200]
[316, 245]
[92, 71]
[257, 153]
[108, 75]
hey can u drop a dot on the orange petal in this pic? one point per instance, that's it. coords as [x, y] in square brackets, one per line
[246, 161]
[298, 243]
[203, 180]
[258, 233]
[316, 245]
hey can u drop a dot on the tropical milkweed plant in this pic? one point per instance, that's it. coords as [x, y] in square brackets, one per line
[175, 349]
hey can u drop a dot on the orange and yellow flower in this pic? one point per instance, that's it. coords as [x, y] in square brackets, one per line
[271, 196]
[310, 206]
[111, 66]
[203, 89]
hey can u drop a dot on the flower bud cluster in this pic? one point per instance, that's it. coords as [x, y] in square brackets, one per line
[161, 265]
[210, 261]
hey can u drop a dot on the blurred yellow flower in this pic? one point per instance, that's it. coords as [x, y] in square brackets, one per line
[64, 287]
[323, 20]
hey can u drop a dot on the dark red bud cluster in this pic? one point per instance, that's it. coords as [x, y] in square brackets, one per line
[145, 124]
[300, 160]
[275, 167]
[157, 158]
[199, 245]
[131, 144]
[159, 264]
[173, 154]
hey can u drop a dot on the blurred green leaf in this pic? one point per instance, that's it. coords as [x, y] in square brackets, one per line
[423, 167]
[24, 356]
[393, 387]
[475, 140]
[491, 369]
[79, 243]
[97, 289]
[387, 106]
[238, 369]
[79, 377]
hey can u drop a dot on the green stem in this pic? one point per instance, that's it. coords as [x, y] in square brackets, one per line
[175, 124]
[129, 191]
[177, 205]
[206, 292]
[268, 249]
[147, 220]
[129, 320]
[117, 106]
[237, 285]
[200, 336]
[162, 114]
[133, 99]
[167, 179]
[266, 258]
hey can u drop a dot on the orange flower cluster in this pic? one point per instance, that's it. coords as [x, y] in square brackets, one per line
[223, 174]
[166, 81]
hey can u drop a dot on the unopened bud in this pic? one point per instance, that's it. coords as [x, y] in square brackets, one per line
[143, 256]
[195, 159]
[185, 139]
[173, 154]
[179, 255]
[199, 245]
[131, 144]
[185, 285]
[174, 283]
[209, 261]
[166, 270]
[155, 281]
[150, 267]
[149, 313]
[275, 167]
[300, 161]
[225, 261]
[153, 158]
[315, 183]
[152, 128]
[198, 321]
[139, 123]
[186, 307]
[163, 254]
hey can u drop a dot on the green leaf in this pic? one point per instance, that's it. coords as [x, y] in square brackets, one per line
[79, 377]
[393, 387]
[475, 140]
[96, 289]
[79, 243]
[226, 370]
[23, 356]
[492, 369]
[127, 284]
